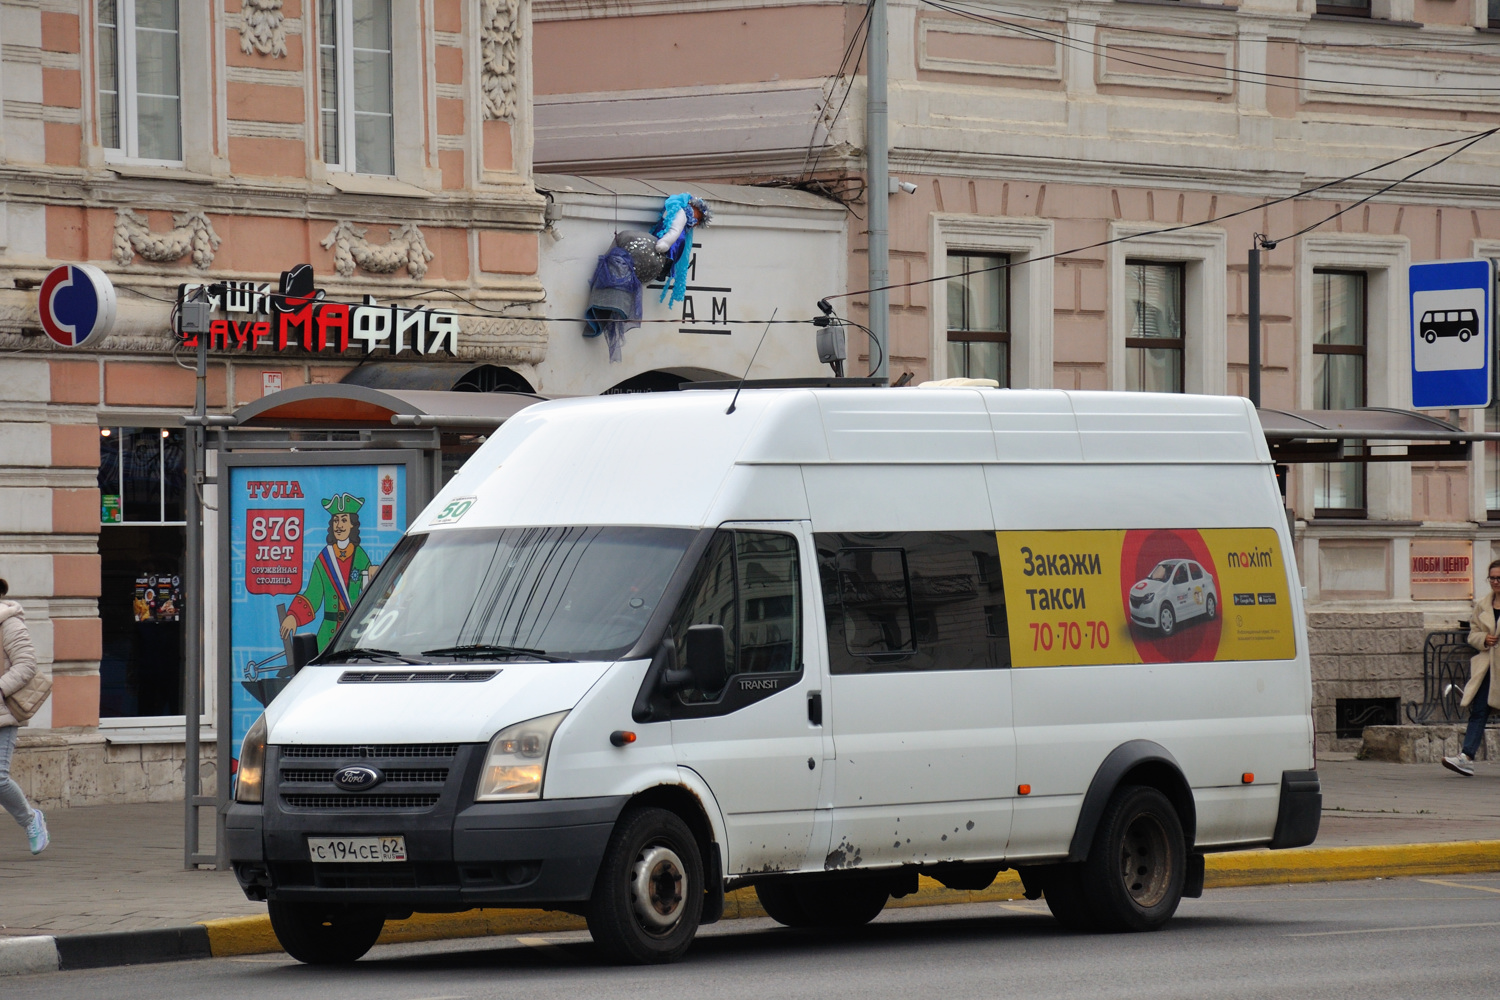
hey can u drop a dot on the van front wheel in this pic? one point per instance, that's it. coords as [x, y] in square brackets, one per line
[648, 895]
[325, 935]
[1136, 867]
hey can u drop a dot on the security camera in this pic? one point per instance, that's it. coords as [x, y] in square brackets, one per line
[903, 187]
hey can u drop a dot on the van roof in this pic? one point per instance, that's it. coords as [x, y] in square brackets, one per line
[670, 454]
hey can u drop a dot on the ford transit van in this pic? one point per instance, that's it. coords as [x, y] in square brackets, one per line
[642, 650]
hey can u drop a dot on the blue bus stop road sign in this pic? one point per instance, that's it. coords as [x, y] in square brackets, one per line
[1451, 345]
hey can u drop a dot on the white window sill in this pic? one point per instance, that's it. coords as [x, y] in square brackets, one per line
[372, 184]
[157, 170]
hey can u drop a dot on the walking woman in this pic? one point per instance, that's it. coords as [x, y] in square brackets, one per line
[1479, 694]
[17, 665]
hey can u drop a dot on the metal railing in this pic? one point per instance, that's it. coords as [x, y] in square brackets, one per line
[1445, 671]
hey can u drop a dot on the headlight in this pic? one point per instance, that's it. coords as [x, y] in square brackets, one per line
[517, 760]
[1147, 598]
[250, 781]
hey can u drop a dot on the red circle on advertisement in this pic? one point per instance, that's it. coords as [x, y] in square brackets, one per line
[1195, 636]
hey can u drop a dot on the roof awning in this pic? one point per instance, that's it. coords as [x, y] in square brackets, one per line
[345, 406]
[1345, 435]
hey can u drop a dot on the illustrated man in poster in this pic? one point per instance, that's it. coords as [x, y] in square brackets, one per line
[339, 572]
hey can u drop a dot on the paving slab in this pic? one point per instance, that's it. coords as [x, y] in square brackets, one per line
[116, 868]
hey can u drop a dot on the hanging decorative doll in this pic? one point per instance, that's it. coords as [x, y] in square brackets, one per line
[674, 237]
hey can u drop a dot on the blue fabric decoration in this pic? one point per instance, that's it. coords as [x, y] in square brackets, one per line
[614, 301]
[681, 251]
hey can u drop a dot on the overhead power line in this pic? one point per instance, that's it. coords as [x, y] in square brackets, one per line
[1463, 142]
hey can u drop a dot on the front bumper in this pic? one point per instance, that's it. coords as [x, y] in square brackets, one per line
[461, 854]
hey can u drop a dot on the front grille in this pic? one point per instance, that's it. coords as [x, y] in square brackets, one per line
[416, 775]
[360, 801]
[368, 751]
[389, 875]
[416, 676]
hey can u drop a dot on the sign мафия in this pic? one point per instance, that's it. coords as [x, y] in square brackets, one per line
[298, 316]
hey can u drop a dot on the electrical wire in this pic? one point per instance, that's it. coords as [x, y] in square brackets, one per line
[861, 35]
[1243, 75]
[1467, 141]
[1392, 184]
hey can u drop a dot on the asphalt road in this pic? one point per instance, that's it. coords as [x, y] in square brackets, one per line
[1391, 938]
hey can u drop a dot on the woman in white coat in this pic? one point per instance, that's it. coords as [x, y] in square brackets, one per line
[1479, 694]
[17, 665]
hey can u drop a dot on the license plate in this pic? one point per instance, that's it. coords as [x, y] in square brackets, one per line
[357, 848]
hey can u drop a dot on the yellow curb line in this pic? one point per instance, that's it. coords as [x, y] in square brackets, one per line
[252, 935]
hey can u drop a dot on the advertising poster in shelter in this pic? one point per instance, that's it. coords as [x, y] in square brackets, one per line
[304, 542]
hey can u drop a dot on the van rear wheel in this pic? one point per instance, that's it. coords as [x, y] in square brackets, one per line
[648, 895]
[325, 935]
[1137, 864]
[1062, 888]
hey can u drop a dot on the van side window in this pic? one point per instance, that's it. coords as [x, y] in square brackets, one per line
[913, 601]
[748, 582]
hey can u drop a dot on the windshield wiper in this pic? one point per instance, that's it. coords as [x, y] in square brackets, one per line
[367, 653]
[476, 650]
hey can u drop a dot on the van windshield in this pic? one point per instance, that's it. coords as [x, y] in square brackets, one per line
[567, 593]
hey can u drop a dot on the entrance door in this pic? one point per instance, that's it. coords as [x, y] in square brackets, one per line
[920, 701]
[758, 743]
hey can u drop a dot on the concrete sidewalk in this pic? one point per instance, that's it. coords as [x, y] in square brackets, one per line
[119, 868]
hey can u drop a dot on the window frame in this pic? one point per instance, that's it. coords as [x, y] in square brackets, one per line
[127, 90]
[967, 336]
[1342, 10]
[1203, 254]
[1178, 343]
[117, 437]
[345, 112]
[1029, 302]
[1361, 351]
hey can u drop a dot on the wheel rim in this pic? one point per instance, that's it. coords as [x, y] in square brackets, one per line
[657, 887]
[1212, 607]
[1168, 620]
[1146, 861]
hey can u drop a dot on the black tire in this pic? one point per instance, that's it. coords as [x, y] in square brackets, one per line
[1062, 888]
[1212, 607]
[780, 901]
[1430, 337]
[648, 896]
[1137, 864]
[1166, 618]
[325, 935]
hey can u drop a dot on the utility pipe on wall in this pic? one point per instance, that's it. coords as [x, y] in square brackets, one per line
[877, 181]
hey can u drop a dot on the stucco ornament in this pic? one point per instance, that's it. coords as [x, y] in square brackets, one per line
[263, 28]
[500, 38]
[407, 247]
[193, 234]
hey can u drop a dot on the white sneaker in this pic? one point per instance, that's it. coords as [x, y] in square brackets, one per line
[36, 832]
[1462, 764]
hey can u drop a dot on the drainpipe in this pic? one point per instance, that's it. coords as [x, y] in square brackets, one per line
[878, 182]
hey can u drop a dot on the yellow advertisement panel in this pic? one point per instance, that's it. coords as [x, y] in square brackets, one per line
[1179, 595]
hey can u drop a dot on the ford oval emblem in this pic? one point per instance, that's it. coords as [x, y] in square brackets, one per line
[357, 779]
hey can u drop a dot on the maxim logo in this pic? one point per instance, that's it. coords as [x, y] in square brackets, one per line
[1254, 559]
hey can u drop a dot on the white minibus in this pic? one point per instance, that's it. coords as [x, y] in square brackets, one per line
[643, 650]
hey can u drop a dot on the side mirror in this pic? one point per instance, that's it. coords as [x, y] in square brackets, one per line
[303, 647]
[704, 656]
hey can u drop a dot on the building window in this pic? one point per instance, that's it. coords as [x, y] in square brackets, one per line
[979, 317]
[142, 546]
[140, 88]
[354, 85]
[1494, 14]
[1153, 343]
[1340, 376]
[1345, 8]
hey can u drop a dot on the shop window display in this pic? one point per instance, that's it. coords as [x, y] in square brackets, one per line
[141, 547]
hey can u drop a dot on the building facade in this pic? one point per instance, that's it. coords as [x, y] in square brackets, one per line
[1083, 128]
[167, 142]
